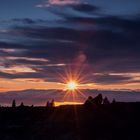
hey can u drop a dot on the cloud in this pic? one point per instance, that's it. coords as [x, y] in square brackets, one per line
[58, 3]
[24, 21]
[111, 79]
[85, 7]
[70, 8]
[63, 2]
[101, 44]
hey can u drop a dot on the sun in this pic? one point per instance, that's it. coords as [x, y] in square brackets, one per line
[72, 85]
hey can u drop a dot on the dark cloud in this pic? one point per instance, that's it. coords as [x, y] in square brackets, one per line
[84, 7]
[111, 79]
[48, 76]
[111, 44]
[21, 75]
[71, 10]
[24, 21]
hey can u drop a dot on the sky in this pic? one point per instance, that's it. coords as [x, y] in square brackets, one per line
[45, 43]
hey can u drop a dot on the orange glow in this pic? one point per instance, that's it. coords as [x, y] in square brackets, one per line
[68, 103]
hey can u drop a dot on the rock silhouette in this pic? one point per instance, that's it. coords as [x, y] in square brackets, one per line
[106, 101]
[94, 101]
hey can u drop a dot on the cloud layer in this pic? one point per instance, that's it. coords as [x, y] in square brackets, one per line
[84, 40]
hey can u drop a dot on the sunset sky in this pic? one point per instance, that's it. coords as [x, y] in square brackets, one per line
[44, 44]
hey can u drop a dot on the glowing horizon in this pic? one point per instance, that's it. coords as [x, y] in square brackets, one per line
[23, 84]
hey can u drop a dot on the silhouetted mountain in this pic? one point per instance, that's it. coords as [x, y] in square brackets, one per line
[39, 97]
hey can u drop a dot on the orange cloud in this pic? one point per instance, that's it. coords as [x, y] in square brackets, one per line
[22, 84]
[17, 69]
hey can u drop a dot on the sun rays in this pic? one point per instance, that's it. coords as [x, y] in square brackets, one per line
[73, 80]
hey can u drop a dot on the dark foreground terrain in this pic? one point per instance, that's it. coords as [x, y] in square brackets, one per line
[119, 121]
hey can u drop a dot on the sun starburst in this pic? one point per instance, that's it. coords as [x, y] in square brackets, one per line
[72, 85]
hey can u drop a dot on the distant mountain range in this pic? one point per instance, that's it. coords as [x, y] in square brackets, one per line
[40, 97]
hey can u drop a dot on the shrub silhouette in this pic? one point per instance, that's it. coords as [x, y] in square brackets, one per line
[14, 104]
[47, 104]
[50, 104]
[114, 101]
[22, 104]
